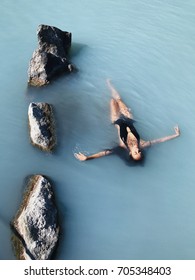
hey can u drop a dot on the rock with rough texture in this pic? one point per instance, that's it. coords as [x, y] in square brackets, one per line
[36, 229]
[41, 125]
[51, 56]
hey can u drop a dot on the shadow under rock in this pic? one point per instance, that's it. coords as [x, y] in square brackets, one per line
[62, 216]
[75, 50]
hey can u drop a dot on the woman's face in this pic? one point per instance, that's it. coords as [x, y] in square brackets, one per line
[136, 153]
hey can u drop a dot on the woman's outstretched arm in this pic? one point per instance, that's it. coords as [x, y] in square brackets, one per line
[82, 157]
[145, 144]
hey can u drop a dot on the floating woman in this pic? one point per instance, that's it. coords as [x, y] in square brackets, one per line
[129, 138]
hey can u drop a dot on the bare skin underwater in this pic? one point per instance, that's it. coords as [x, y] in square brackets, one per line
[129, 139]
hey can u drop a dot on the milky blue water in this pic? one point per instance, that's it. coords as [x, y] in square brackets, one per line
[108, 209]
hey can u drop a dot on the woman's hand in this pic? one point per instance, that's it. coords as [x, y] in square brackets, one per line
[177, 130]
[80, 156]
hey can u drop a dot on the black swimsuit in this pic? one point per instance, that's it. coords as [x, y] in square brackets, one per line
[123, 123]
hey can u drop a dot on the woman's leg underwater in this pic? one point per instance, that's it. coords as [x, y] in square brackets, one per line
[114, 110]
[123, 109]
[114, 116]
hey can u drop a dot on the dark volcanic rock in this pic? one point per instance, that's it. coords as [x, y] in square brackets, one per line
[41, 125]
[35, 225]
[50, 58]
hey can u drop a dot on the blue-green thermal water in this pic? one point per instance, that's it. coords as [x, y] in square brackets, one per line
[108, 209]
